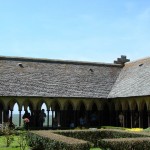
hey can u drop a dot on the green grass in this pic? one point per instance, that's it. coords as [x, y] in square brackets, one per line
[95, 149]
[13, 146]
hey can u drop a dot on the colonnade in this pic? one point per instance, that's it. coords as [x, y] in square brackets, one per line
[70, 110]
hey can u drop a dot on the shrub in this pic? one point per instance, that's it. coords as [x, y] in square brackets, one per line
[125, 144]
[40, 140]
[94, 135]
[8, 135]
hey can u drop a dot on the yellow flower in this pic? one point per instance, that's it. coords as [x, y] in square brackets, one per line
[135, 129]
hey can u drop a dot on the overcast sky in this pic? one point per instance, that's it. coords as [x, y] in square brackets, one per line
[87, 30]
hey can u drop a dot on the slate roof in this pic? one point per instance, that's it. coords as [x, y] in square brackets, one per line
[56, 78]
[134, 80]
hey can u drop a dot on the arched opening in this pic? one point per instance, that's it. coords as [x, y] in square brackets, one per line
[106, 118]
[82, 115]
[112, 115]
[70, 122]
[128, 117]
[136, 117]
[82, 110]
[145, 116]
[14, 114]
[27, 111]
[56, 116]
[1, 112]
[94, 116]
[50, 117]
[42, 120]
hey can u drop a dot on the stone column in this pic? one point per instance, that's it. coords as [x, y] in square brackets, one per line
[100, 117]
[125, 118]
[132, 118]
[148, 118]
[47, 118]
[75, 124]
[11, 113]
[140, 119]
[5, 115]
[20, 118]
[117, 118]
[52, 118]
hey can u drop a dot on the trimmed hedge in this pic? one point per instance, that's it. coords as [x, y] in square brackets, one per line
[125, 144]
[94, 135]
[73, 139]
[44, 140]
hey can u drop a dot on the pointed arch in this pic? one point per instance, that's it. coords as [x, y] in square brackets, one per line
[69, 106]
[69, 114]
[55, 105]
[1, 111]
[106, 114]
[40, 103]
[145, 116]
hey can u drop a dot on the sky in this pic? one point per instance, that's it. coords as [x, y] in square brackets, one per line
[84, 30]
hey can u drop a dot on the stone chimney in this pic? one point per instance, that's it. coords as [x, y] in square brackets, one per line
[122, 60]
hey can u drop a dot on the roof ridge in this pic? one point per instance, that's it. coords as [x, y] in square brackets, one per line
[46, 60]
[137, 60]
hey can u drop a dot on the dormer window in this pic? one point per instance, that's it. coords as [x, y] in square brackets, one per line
[20, 65]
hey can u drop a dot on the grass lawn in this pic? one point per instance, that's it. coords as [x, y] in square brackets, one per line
[13, 146]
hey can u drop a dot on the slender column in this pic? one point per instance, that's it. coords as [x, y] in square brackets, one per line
[61, 118]
[47, 118]
[125, 118]
[58, 118]
[6, 115]
[100, 117]
[11, 113]
[117, 119]
[2, 116]
[148, 118]
[77, 117]
[75, 124]
[131, 116]
[52, 118]
[19, 117]
[110, 117]
[140, 119]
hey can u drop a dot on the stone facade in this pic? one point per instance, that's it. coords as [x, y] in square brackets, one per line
[74, 90]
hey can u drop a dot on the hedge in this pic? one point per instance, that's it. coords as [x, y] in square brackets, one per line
[94, 135]
[125, 144]
[73, 139]
[44, 140]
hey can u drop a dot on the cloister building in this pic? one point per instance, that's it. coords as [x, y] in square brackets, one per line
[71, 89]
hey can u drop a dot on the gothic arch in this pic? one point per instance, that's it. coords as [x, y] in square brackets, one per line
[55, 105]
[40, 103]
[145, 116]
[11, 104]
[29, 104]
[106, 114]
[81, 103]
[134, 105]
[67, 104]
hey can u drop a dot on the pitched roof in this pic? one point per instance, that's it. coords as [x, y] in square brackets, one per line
[134, 80]
[56, 78]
